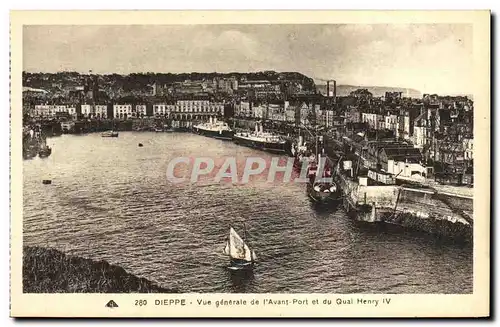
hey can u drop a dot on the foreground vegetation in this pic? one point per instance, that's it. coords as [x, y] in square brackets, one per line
[51, 271]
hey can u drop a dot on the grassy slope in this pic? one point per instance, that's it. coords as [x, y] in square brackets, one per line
[51, 271]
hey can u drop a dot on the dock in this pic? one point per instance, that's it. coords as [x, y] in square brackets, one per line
[422, 208]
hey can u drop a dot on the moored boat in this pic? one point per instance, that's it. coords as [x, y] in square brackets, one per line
[45, 151]
[109, 134]
[168, 129]
[321, 189]
[30, 151]
[241, 256]
[264, 141]
[215, 129]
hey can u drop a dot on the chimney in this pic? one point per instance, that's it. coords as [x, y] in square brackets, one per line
[327, 89]
[334, 91]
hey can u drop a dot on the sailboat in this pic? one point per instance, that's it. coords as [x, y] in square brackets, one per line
[240, 254]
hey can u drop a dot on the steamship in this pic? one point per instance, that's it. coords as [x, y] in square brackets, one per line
[264, 141]
[215, 129]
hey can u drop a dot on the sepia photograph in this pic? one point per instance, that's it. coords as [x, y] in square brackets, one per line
[243, 158]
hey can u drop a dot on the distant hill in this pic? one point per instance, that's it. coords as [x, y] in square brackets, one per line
[137, 81]
[377, 91]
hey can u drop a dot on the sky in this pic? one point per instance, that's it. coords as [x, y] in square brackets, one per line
[432, 58]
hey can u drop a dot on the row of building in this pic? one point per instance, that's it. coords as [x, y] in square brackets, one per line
[228, 85]
[187, 109]
[441, 130]
[293, 112]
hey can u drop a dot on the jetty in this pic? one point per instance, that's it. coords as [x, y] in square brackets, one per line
[437, 210]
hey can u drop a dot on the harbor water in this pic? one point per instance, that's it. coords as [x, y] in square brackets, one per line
[111, 200]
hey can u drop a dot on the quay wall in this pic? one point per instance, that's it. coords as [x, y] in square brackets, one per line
[421, 209]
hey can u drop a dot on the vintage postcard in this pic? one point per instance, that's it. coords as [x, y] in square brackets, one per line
[250, 163]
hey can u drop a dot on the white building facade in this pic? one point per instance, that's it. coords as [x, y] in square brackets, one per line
[122, 111]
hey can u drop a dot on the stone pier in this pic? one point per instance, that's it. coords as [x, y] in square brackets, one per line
[424, 209]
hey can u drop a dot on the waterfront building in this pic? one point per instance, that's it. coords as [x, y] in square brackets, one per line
[276, 112]
[198, 106]
[71, 110]
[61, 108]
[387, 155]
[140, 110]
[43, 110]
[86, 110]
[192, 109]
[244, 109]
[101, 111]
[259, 111]
[408, 168]
[122, 111]
[162, 109]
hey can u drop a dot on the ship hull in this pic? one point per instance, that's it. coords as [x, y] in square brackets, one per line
[322, 197]
[237, 264]
[221, 135]
[112, 134]
[272, 147]
[44, 153]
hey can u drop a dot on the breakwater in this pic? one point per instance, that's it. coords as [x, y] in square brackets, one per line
[48, 270]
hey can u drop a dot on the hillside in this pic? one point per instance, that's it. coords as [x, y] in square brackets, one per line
[377, 91]
[141, 81]
[51, 271]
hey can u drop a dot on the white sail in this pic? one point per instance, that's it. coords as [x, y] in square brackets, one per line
[238, 249]
[226, 249]
[254, 256]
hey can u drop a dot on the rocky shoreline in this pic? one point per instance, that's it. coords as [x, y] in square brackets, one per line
[47, 270]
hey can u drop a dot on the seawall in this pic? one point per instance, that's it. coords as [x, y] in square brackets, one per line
[423, 209]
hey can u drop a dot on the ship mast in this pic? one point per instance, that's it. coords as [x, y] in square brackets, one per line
[245, 242]
[229, 241]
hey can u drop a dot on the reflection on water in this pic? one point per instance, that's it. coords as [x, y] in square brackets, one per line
[110, 200]
[241, 280]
